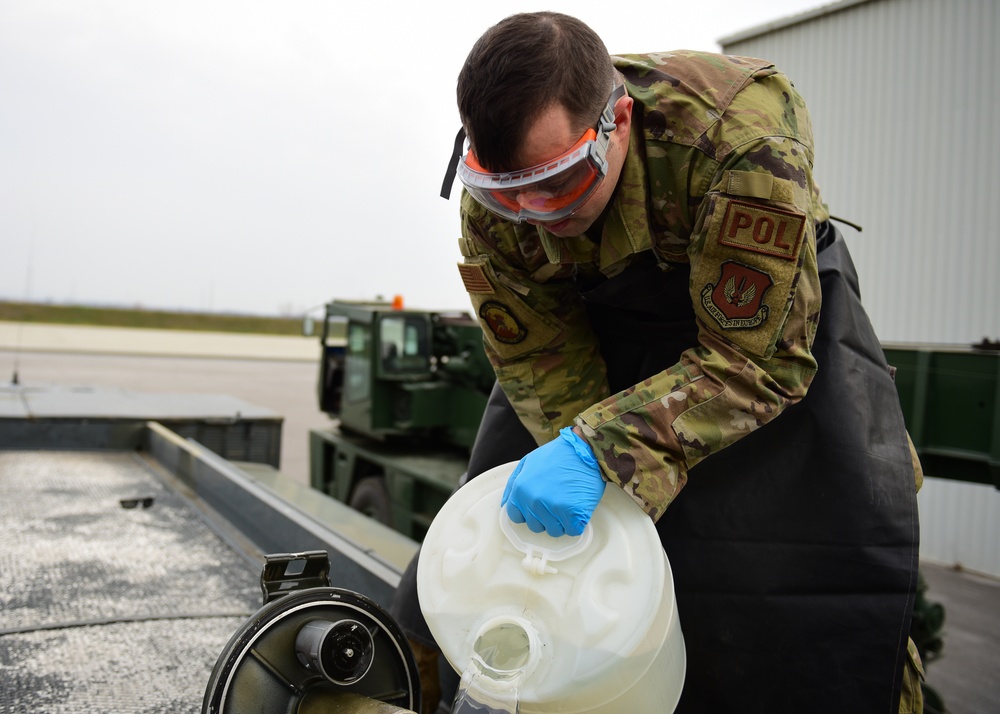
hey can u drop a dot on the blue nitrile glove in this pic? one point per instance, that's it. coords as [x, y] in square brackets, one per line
[556, 487]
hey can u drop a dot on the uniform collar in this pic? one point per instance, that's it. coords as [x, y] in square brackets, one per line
[626, 226]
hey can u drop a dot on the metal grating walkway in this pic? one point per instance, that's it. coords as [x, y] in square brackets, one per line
[105, 608]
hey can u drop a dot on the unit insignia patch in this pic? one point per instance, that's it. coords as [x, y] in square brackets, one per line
[736, 301]
[502, 323]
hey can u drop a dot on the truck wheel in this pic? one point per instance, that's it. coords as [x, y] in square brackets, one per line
[371, 497]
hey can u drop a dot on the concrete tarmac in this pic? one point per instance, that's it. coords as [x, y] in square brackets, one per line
[78, 339]
[280, 373]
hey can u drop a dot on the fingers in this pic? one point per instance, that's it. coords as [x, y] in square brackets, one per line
[550, 522]
[533, 523]
[527, 517]
[510, 485]
[544, 520]
[514, 514]
[575, 527]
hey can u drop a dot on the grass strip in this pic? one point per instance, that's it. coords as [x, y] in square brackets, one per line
[151, 319]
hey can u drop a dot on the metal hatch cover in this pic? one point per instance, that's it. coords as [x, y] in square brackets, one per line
[318, 649]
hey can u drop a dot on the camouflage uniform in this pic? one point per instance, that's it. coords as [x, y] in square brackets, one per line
[725, 155]
[794, 546]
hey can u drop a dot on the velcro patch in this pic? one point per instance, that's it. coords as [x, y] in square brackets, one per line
[474, 278]
[736, 300]
[762, 229]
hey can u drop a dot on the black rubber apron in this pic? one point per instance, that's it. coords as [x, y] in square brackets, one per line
[793, 551]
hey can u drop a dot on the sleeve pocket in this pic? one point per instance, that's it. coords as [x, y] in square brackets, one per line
[511, 327]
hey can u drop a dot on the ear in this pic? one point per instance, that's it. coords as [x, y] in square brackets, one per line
[623, 117]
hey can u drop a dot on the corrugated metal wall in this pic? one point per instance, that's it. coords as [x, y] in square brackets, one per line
[960, 525]
[905, 100]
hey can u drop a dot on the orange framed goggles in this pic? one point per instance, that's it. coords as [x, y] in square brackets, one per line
[550, 191]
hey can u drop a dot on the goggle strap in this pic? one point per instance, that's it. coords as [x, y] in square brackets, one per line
[456, 156]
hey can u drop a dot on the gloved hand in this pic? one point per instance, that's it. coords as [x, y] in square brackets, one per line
[556, 487]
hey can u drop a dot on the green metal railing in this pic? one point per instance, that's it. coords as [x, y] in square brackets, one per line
[951, 403]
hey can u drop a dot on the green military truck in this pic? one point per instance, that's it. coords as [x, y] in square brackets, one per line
[407, 389]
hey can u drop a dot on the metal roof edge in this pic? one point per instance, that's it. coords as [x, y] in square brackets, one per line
[785, 22]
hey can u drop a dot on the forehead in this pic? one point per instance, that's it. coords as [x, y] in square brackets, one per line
[552, 133]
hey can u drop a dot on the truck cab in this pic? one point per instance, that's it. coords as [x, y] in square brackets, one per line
[408, 389]
[389, 373]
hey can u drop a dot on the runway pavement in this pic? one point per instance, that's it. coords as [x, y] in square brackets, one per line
[279, 373]
[275, 372]
[77, 339]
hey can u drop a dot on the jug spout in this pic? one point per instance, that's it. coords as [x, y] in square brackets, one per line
[505, 650]
[484, 690]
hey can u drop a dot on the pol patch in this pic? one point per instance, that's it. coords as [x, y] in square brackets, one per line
[762, 229]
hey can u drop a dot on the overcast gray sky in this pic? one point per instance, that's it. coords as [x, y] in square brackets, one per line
[252, 156]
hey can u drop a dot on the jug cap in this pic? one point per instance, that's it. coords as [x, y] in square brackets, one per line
[540, 549]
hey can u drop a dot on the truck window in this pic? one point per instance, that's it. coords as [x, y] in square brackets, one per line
[404, 345]
[358, 386]
[357, 340]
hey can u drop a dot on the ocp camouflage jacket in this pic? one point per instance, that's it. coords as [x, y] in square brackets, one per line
[718, 176]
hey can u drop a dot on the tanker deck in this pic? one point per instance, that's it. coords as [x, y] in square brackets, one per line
[118, 597]
[126, 569]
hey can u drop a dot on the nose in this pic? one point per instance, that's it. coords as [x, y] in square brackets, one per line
[533, 199]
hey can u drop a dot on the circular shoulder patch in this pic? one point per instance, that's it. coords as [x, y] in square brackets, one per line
[502, 323]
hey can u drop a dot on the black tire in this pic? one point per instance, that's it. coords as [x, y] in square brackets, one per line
[371, 497]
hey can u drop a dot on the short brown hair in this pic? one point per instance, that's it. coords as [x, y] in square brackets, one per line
[519, 67]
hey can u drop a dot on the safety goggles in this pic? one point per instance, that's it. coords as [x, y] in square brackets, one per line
[550, 191]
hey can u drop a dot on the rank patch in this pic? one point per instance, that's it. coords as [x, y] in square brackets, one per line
[762, 229]
[502, 323]
[736, 301]
[474, 278]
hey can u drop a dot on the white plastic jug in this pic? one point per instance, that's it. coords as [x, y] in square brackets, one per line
[541, 624]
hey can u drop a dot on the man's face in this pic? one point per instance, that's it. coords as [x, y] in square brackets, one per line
[553, 134]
